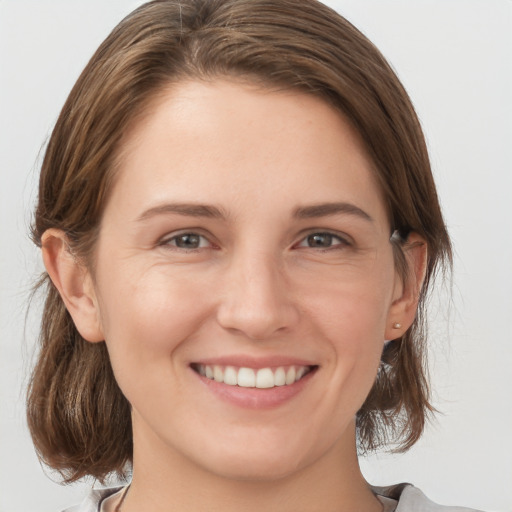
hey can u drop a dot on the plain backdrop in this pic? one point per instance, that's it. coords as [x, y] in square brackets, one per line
[454, 57]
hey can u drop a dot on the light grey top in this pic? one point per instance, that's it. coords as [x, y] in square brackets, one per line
[411, 499]
[396, 498]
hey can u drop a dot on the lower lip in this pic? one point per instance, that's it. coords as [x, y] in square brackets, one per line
[256, 398]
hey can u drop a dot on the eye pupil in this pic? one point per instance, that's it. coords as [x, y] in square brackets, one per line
[188, 241]
[320, 240]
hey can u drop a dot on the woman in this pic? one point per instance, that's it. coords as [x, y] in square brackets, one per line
[240, 226]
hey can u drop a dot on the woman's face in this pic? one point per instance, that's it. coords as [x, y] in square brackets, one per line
[245, 238]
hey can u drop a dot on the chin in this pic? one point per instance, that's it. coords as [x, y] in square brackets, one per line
[257, 469]
[260, 458]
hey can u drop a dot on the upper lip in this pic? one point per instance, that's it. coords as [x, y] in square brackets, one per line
[246, 361]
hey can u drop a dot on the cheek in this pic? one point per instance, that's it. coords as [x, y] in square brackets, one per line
[356, 338]
[352, 310]
[146, 315]
[351, 316]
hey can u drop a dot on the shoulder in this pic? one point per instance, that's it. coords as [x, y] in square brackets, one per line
[92, 501]
[411, 498]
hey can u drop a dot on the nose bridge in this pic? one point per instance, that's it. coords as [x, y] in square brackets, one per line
[256, 299]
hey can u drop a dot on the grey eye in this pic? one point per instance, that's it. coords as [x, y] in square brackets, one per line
[320, 240]
[188, 241]
[323, 241]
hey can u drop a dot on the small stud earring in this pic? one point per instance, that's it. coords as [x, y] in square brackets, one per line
[397, 325]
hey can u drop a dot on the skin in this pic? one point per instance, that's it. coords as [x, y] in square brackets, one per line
[254, 287]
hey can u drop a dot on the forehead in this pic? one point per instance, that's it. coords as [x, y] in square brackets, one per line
[236, 143]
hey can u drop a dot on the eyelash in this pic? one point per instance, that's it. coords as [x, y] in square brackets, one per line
[342, 241]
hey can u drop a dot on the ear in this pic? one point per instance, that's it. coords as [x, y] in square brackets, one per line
[407, 292]
[74, 283]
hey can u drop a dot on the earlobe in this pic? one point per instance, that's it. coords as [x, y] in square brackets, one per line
[74, 283]
[403, 309]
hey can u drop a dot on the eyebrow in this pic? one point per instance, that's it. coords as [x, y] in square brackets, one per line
[213, 212]
[326, 209]
[185, 209]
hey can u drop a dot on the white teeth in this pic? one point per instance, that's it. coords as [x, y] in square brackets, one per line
[218, 374]
[300, 373]
[246, 378]
[263, 378]
[230, 376]
[290, 376]
[280, 377]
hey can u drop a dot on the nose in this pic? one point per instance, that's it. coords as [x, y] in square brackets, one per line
[256, 300]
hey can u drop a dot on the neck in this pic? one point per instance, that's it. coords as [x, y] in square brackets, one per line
[164, 480]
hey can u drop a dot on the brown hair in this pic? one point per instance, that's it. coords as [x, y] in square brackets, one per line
[79, 419]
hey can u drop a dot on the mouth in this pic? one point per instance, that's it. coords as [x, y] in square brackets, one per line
[260, 378]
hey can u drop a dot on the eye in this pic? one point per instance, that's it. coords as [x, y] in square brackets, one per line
[323, 241]
[187, 241]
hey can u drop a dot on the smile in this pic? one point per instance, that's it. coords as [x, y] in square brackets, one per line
[262, 378]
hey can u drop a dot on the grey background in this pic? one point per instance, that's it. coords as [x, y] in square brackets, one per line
[454, 57]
